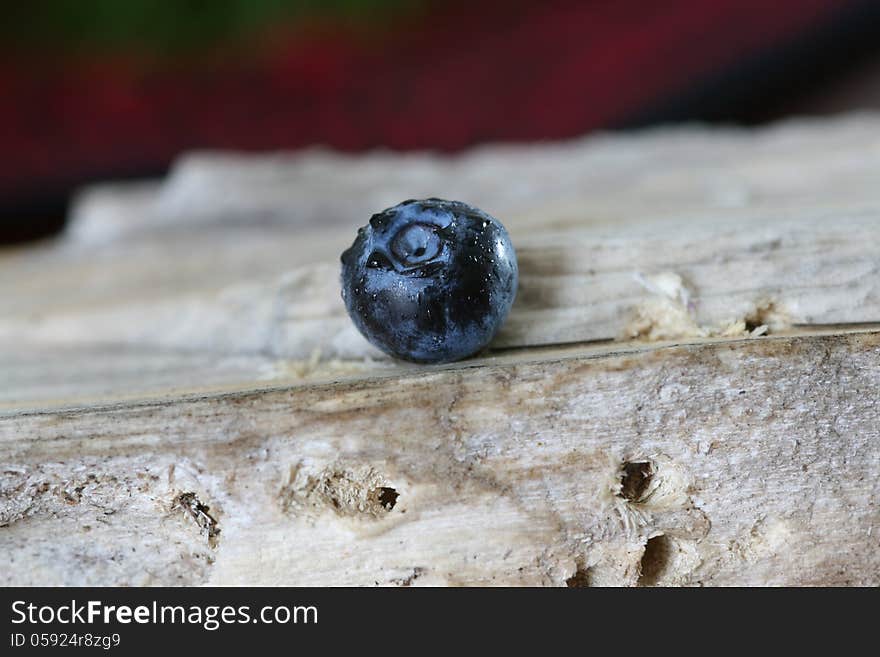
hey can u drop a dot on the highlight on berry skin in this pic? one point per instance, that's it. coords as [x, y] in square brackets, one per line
[430, 281]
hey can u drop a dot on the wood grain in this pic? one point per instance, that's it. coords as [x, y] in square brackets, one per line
[763, 458]
[685, 392]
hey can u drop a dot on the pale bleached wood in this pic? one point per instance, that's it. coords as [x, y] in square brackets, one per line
[238, 254]
[576, 285]
[283, 215]
[765, 457]
[182, 399]
[606, 179]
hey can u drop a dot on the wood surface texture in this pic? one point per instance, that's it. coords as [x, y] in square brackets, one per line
[685, 392]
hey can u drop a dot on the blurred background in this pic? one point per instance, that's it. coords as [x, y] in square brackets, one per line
[101, 89]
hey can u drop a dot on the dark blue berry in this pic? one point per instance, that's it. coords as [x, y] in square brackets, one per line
[430, 281]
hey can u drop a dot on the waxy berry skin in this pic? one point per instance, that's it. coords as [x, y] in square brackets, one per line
[430, 281]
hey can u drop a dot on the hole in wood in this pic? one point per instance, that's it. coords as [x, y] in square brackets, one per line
[581, 578]
[766, 318]
[201, 514]
[349, 491]
[387, 497]
[655, 560]
[753, 323]
[635, 480]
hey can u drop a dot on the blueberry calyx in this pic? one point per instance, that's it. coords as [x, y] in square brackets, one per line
[430, 280]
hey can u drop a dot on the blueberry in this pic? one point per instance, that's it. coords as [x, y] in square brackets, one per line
[430, 281]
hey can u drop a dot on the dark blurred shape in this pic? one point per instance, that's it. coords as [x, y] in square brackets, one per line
[92, 93]
[33, 218]
[781, 80]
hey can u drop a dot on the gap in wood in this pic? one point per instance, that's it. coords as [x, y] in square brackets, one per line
[656, 560]
[387, 497]
[635, 480]
[581, 578]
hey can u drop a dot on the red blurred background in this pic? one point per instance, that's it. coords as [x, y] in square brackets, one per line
[99, 89]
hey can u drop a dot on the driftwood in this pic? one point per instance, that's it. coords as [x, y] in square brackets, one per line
[685, 392]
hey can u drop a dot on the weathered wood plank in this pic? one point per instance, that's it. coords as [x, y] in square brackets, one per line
[685, 392]
[684, 280]
[606, 180]
[764, 458]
